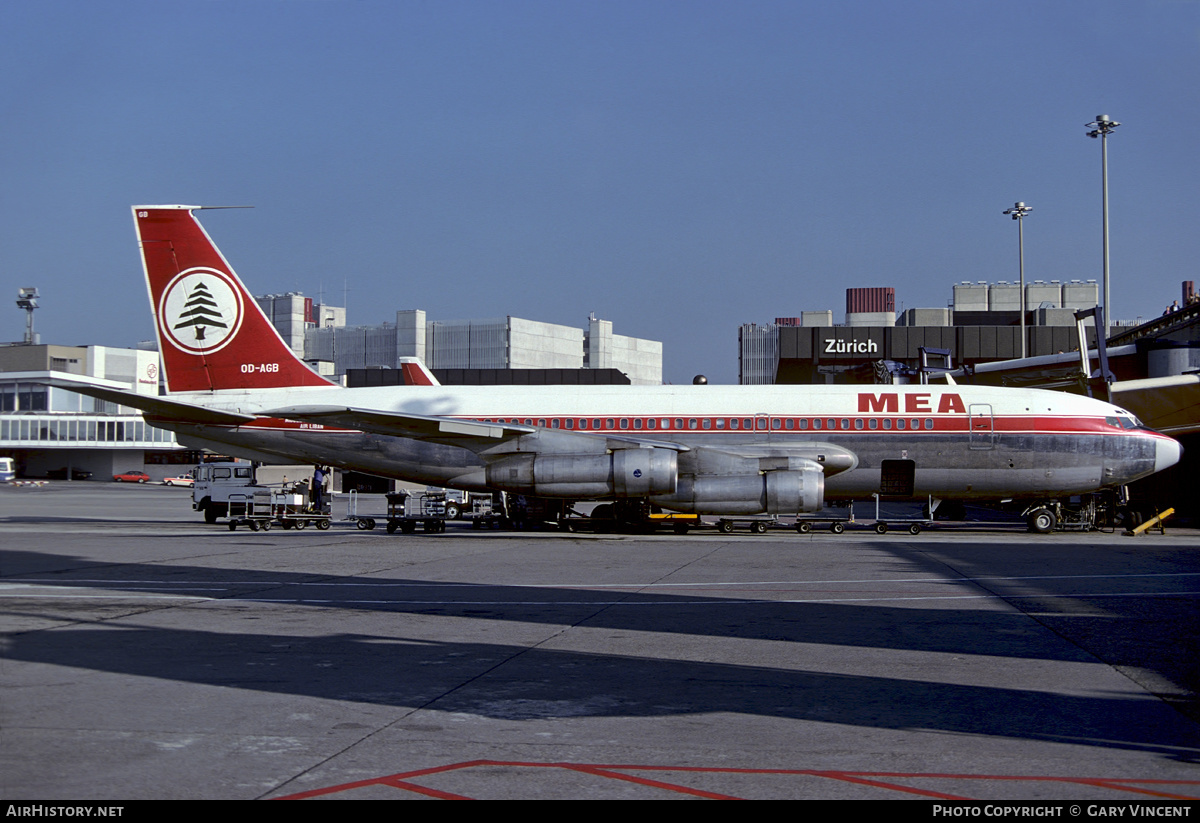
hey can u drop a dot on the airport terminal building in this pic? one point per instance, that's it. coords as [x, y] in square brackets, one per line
[54, 432]
[982, 324]
[319, 335]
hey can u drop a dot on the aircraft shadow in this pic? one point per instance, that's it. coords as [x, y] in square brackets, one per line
[509, 681]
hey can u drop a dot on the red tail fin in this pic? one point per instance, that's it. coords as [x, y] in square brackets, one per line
[211, 332]
[416, 373]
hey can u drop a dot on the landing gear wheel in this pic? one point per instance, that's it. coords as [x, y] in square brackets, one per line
[758, 527]
[803, 527]
[323, 525]
[1042, 521]
[881, 528]
[837, 528]
[915, 528]
[725, 527]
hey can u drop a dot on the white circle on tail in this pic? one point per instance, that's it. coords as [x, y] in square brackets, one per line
[200, 310]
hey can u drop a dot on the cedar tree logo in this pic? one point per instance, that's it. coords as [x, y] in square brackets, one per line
[200, 311]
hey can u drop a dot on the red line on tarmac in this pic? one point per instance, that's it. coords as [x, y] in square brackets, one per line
[613, 771]
[851, 777]
[658, 784]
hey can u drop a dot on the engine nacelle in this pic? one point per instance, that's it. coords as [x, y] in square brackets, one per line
[623, 473]
[776, 492]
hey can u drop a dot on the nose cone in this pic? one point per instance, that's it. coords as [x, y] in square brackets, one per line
[1167, 452]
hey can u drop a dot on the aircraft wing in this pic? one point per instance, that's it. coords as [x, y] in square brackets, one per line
[395, 424]
[470, 434]
[153, 407]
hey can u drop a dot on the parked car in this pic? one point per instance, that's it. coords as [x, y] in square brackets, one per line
[61, 474]
[181, 480]
[132, 477]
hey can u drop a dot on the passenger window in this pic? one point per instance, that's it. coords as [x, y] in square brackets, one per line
[637, 422]
[720, 422]
[611, 423]
[929, 422]
[776, 423]
[691, 422]
[624, 422]
[733, 422]
[706, 423]
[845, 423]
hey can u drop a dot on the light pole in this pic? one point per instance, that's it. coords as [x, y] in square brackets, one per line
[1018, 211]
[27, 299]
[1102, 127]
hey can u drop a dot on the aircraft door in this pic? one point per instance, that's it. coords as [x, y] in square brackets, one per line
[982, 426]
[897, 478]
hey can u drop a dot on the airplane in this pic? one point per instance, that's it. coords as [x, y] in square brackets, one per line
[233, 385]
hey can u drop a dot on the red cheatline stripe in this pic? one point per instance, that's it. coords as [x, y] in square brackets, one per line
[958, 423]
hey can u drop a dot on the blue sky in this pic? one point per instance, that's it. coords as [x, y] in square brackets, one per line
[678, 168]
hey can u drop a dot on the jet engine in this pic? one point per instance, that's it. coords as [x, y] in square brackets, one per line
[773, 492]
[622, 473]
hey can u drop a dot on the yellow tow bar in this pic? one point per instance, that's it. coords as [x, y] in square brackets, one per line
[1153, 522]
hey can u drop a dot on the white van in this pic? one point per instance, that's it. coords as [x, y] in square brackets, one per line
[215, 482]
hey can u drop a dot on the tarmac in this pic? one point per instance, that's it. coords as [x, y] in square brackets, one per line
[148, 655]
